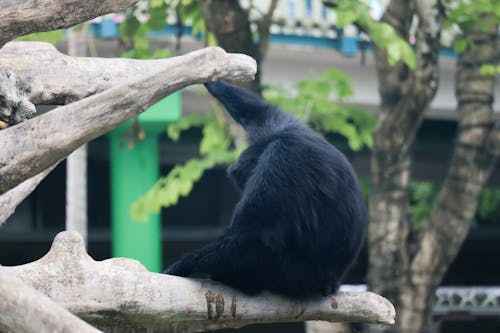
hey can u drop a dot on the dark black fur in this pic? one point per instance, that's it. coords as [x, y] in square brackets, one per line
[301, 218]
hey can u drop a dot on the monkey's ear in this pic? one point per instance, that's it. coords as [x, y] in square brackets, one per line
[242, 104]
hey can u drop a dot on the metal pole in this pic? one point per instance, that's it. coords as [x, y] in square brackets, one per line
[76, 163]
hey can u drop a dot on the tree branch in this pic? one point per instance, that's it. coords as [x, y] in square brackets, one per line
[122, 291]
[263, 26]
[24, 309]
[392, 85]
[230, 24]
[36, 73]
[33, 145]
[474, 156]
[416, 89]
[11, 199]
[21, 17]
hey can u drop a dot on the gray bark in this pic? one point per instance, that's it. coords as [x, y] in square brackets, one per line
[21, 17]
[474, 157]
[122, 293]
[36, 73]
[11, 199]
[24, 309]
[37, 143]
[405, 95]
[410, 278]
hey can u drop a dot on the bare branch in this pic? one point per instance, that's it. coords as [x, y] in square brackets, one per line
[11, 199]
[35, 144]
[24, 309]
[37, 73]
[21, 17]
[122, 291]
[263, 26]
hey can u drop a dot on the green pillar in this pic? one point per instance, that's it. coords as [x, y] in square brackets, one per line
[133, 172]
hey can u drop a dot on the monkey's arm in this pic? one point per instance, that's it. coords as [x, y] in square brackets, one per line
[241, 170]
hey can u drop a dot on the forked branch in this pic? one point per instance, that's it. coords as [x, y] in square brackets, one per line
[123, 292]
[35, 144]
[21, 17]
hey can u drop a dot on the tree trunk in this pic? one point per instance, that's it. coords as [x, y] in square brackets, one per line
[405, 95]
[231, 26]
[409, 278]
[470, 168]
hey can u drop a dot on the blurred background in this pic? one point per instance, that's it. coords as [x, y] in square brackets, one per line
[323, 66]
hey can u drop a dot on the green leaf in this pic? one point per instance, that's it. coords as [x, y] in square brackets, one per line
[158, 16]
[174, 130]
[215, 137]
[161, 54]
[51, 37]
[211, 41]
[347, 17]
[460, 45]
[408, 56]
[489, 69]
[156, 3]
[311, 101]
[177, 184]
[129, 27]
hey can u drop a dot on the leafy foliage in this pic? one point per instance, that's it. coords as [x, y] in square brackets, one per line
[51, 37]
[135, 33]
[488, 210]
[468, 14]
[483, 15]
[382, 34]
[215, 148]
[490, 69]
[313, 103]
[320, 102]
[191, 12]
[424, 194]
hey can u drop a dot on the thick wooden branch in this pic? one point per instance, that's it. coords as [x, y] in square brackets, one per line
[121, 291]
[36, 73]
[33, 145]
[10, 200]
[24, 309]
[21, 17]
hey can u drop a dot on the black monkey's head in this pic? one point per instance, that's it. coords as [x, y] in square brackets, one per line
[257, 117]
